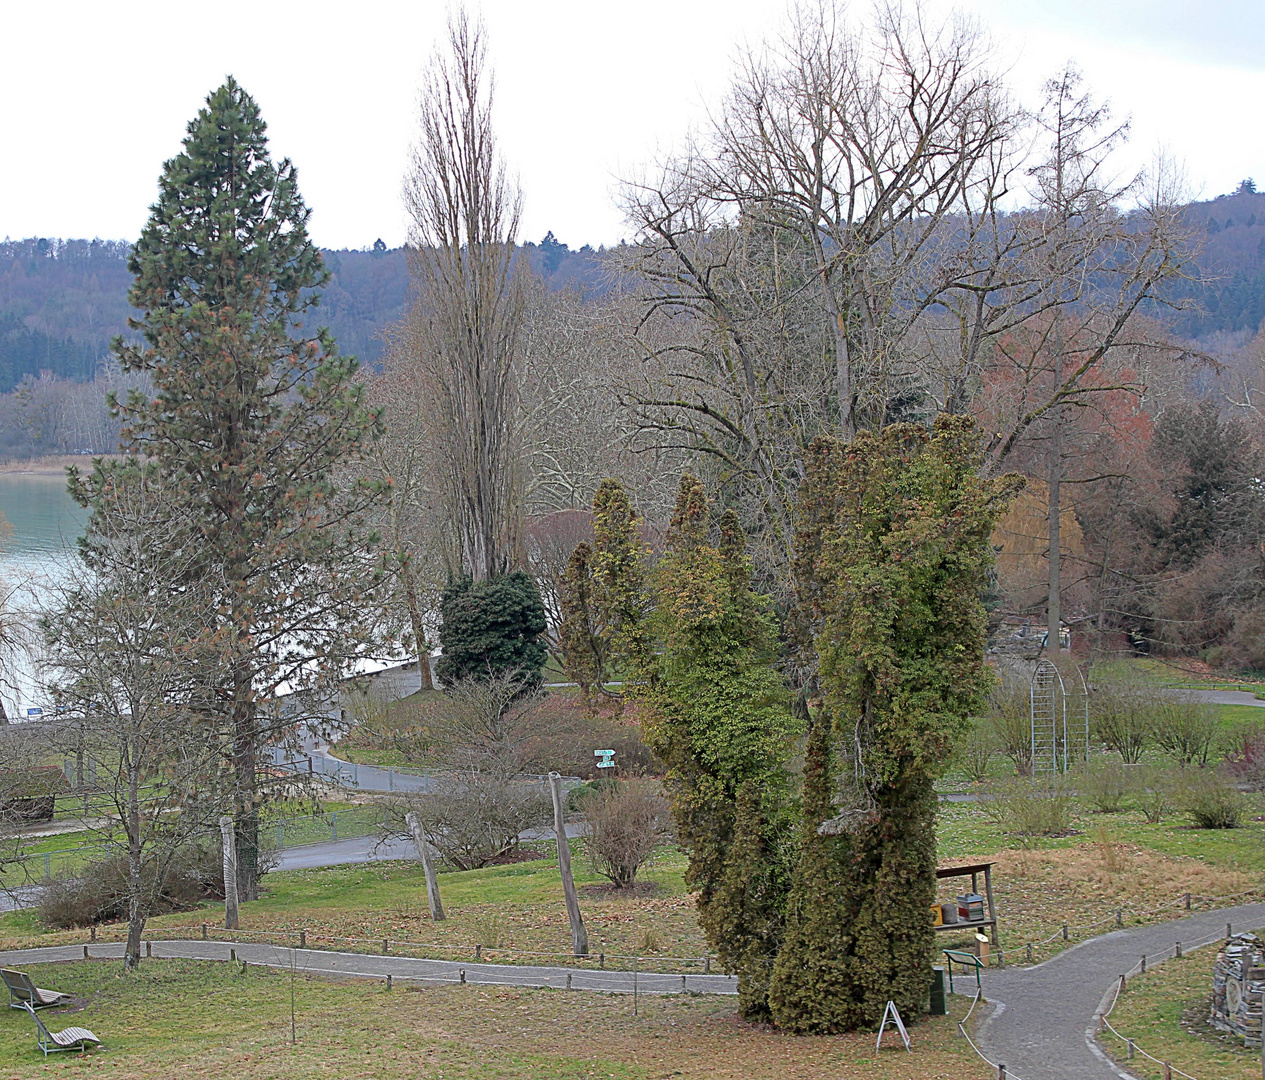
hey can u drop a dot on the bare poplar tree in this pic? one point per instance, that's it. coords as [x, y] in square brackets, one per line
[464, 325]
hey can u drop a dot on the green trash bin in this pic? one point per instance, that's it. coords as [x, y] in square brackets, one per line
[939, 1003]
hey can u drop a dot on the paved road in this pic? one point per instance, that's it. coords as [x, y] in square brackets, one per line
[1223, 697]
[363, 849]
[1042, 1023]
[319, 962]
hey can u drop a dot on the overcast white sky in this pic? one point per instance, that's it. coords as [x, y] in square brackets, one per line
[95, 96]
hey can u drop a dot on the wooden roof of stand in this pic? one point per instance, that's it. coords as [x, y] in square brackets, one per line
[963, 871]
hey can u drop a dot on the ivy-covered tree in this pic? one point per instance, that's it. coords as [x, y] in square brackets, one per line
[252, 409]
[892, 562]
[492, 627]
[604, 596]
[719, 716]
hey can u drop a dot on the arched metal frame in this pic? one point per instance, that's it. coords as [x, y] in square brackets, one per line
[1048, 715]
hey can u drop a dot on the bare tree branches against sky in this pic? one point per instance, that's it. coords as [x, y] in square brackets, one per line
[96, 94]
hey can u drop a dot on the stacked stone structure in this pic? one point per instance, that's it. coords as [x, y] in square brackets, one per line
[1238, 984]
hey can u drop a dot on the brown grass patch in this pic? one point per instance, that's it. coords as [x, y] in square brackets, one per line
[1037, 892]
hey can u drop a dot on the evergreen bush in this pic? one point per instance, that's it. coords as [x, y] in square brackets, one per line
[492, 627]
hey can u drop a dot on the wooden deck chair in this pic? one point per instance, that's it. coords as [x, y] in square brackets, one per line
[23, 992]
[73, 1038]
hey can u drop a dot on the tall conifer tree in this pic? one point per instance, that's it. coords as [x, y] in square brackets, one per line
[719, 717]
[892, 560]
[251, 410]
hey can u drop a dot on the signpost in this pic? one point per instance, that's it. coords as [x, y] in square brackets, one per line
[604, 758]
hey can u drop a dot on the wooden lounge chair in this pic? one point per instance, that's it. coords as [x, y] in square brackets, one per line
[23, 992]
[73, 1038]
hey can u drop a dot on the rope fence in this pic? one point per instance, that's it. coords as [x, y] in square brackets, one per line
[1131, 1046]
[406, 948]
[1070, 931]
[1101, 1018]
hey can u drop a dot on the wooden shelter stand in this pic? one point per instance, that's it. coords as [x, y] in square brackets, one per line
[973, 871]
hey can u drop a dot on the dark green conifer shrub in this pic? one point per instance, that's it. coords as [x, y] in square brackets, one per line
[490, 627]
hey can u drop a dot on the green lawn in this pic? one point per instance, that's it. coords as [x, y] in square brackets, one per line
[201, 1019]
[1165, 1012]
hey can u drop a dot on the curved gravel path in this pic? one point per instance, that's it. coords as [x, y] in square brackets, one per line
[1043, 1019]
[402, 968]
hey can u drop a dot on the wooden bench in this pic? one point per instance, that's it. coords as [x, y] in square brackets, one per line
[73, 1038]
[23, 992]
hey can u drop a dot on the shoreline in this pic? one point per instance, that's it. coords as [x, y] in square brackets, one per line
[50, 465]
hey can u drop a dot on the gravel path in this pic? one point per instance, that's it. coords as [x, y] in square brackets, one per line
[1042, 1023]
[403, 968]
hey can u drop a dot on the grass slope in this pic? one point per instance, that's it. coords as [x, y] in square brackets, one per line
[1165, 1012]
[200, 1019]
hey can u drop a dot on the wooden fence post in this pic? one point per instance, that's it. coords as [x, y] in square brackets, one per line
[579, 936]
[428, 865]
[230, 874]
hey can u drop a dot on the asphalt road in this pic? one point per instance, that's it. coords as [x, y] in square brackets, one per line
[400, 968]
[1043, 1019]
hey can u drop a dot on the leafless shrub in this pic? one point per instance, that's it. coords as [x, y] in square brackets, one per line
[472, 818]
[626, 823]
[1105, 784]
[1186, 730]
[1209, 800]
[488, 721]
[1009, 721]
[1155, 792]
[1122, 714]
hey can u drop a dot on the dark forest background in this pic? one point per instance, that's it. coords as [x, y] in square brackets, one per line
[63, 301]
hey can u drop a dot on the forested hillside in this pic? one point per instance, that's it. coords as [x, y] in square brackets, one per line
[1231, 233]
[62, 301]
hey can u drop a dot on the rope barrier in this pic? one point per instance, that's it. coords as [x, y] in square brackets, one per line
[1138, 968]
[971, 1042]
[1188, 900]
[480, 954]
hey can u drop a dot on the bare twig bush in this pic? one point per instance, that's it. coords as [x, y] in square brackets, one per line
[1122, 717]
[976, 752]
[472, 818]
[1105, 784]
[1009, 720]
[1209, 800]
[1155, 792]
[626, 821]
[1186, 730]
[1027, 808]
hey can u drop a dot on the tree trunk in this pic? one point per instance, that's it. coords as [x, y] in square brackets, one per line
[246, 808]
[136, 909]
[135, 928]
[1054, 613]
[579, 936]
[428, 866]
[415, 617]
[230, 874]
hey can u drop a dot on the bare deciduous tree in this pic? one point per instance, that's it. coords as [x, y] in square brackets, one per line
[464, 326]
[797, 250]
[126, 649]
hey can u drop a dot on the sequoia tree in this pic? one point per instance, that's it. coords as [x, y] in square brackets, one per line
[251, 409]
[892, 558]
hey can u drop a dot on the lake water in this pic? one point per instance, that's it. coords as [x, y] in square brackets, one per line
[45, 522]
[45, 519]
